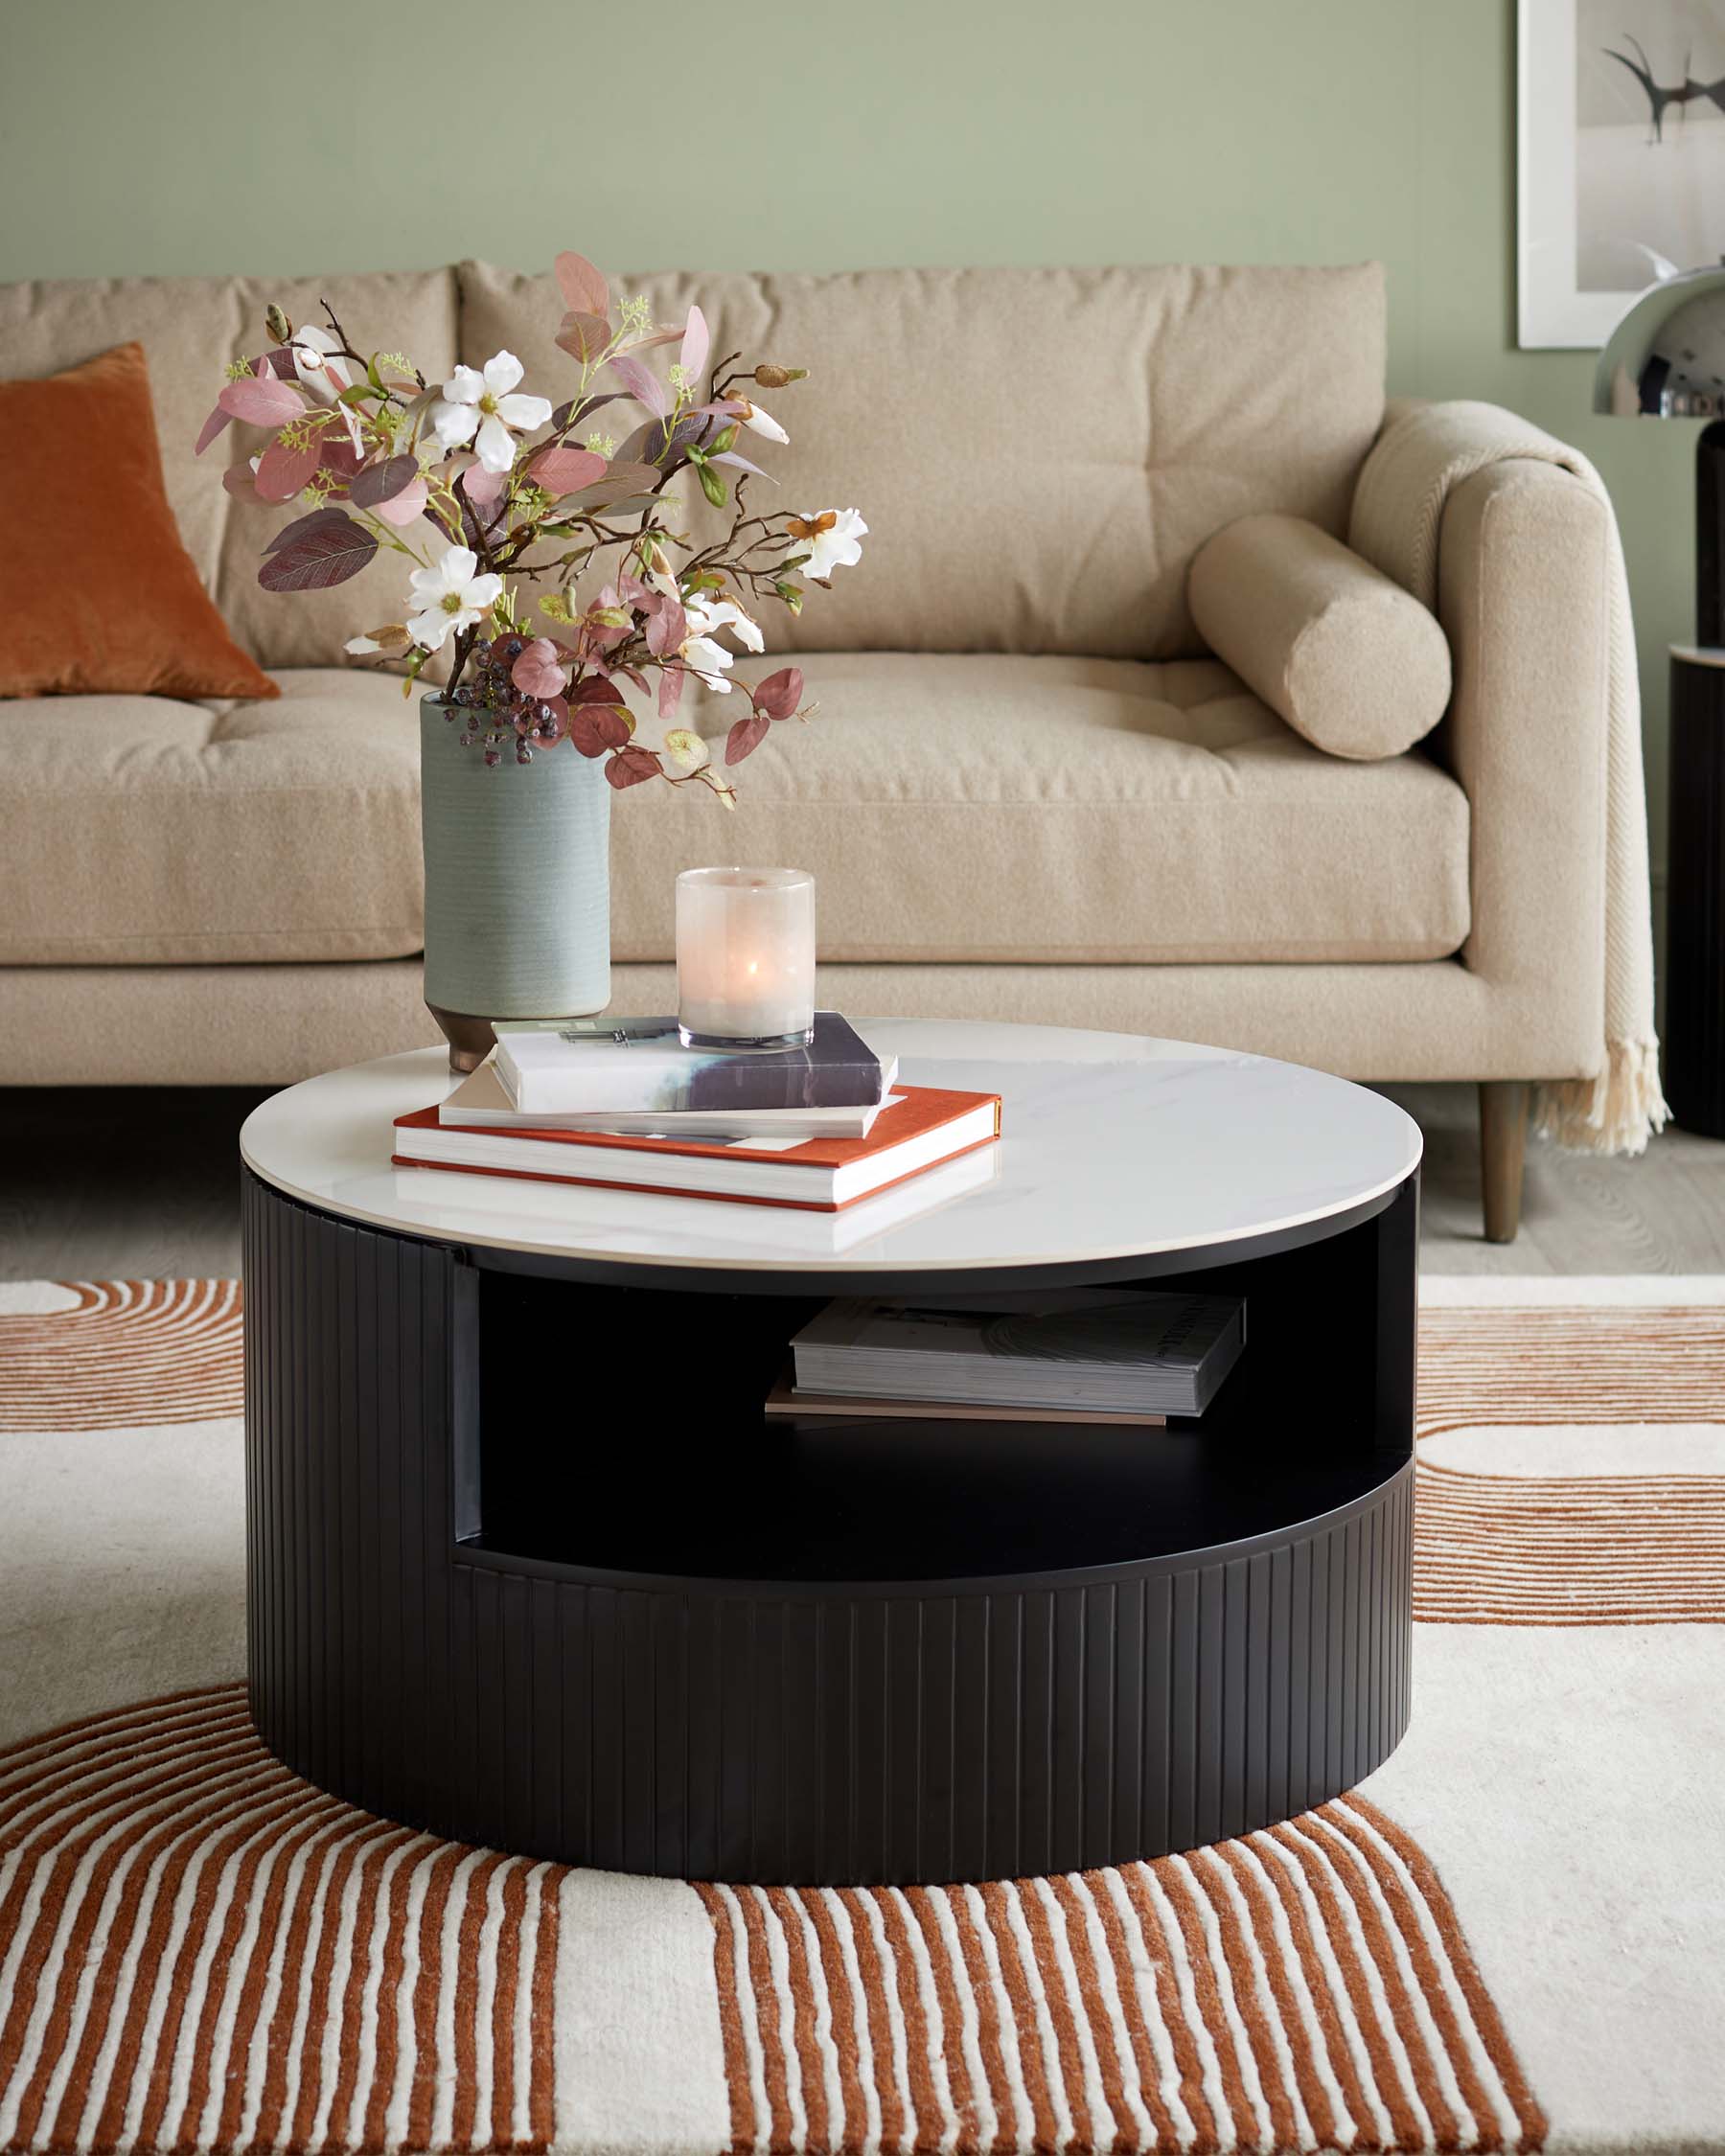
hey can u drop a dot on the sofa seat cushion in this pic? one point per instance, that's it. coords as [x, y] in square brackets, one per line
[986, 808]
[146, 832]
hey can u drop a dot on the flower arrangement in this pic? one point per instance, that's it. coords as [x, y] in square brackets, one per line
[486, 487]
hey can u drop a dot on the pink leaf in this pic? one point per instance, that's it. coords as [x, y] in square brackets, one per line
[339, 456]
[318, 559]
[670, 690]
[639, 380]
[631, 765]
[583, 337]
[570, 415]
[583, 735]
[481, 485]
[260, 401]
[240, 481]
[562, 471]
[212, 427]
[780, 694]
[667, 629]
[283, 473]
[745, 738]
[302, 527]
[593, 688]
[582, 287]
[379, 483]
[536, 672]
[696, 344]
[401, 510]
[730, 456]
[595, 727]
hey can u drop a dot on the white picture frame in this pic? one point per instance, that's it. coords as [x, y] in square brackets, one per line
[1620, 160]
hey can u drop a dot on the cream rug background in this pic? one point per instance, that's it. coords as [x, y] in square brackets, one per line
[1513, 1937]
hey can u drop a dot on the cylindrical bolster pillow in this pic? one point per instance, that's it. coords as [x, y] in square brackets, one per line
[1349, 659]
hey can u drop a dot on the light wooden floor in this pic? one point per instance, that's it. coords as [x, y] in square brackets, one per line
[133, 1185]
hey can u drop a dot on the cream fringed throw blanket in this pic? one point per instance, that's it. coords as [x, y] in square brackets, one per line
[1424, 451]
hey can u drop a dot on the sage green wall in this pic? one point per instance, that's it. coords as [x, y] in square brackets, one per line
[207, 135]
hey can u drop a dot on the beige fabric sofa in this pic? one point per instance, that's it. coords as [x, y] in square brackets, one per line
[1030, 792]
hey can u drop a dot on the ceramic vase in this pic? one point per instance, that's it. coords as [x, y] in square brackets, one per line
[517, 886]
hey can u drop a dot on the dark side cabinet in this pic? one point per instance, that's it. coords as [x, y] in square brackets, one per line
[1695, 1010]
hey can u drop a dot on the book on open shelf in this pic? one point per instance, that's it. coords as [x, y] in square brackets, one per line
[786, 1398]
[924, 1125]
[1138, 1353]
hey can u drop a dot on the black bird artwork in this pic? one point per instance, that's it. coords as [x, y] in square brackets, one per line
[1658, 96]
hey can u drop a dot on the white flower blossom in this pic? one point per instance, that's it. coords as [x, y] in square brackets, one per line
[701, 651]
[833, 537]
[448, 597]
[488, 405]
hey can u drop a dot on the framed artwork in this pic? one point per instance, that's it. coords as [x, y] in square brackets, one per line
[1621, 156]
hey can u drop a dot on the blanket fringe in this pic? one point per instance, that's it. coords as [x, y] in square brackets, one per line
[1617, 1112]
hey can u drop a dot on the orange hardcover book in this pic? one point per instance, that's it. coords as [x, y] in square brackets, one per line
[923, 1126]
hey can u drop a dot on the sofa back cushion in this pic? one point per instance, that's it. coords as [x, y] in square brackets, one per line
[1039, 453]
[190, 328]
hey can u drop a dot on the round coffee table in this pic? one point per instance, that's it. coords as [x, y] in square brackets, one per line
[529, 1564]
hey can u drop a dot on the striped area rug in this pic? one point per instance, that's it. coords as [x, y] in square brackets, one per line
[1308, 1987]
[1581, 1506]
[110, 1354]
[1503, 1942]
[202, 1952]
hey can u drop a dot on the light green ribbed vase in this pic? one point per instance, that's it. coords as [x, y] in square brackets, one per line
[517, 886]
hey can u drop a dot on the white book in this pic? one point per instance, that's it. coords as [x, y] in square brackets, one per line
[639, 1066]
[510, 1210]
[481, 1101]
[1100, 1349]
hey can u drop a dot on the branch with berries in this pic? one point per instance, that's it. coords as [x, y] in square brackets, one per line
[487, 490]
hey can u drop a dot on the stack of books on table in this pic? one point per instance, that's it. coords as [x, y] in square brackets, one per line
[622, 1103]
[1077, 1355]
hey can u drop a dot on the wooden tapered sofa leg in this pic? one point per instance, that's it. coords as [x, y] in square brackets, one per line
[1503, 1147]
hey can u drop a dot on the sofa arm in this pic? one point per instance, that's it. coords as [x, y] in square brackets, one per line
[1348, 658]
[1525, 561]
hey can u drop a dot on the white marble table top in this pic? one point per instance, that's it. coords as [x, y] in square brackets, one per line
[1112, 1146]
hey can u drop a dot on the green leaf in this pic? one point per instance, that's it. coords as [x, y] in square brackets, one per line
[686, 749]
[713, 487]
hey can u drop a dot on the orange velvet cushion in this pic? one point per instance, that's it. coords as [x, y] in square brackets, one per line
[100, 594]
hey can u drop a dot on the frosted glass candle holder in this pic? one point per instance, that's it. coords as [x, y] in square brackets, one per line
[746, 957]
